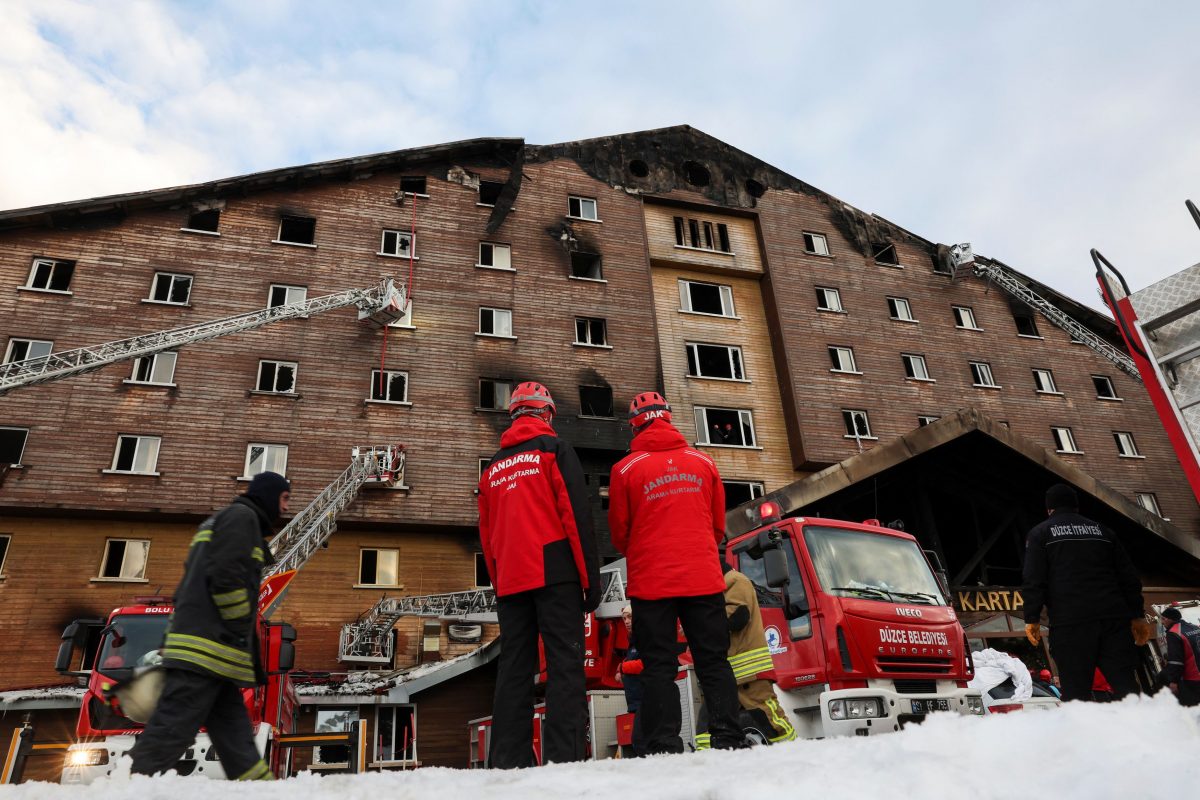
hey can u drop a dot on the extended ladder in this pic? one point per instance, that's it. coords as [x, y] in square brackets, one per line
[379, 305]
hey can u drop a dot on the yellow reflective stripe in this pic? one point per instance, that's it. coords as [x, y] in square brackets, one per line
[258, 772]
[780, 721]
[750, 654]
[744, 669]
[222, 668]
[202, 536]
[703, 741]
[209, 646]
[242, 609]
[231, 598]
[257, 554]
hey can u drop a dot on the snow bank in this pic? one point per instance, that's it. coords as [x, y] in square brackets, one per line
[1138, 748]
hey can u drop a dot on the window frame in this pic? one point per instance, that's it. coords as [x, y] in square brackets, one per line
[1125, 440]
[361, 584]
[895, 304]
[1031, 320]
[409, 751]
[137, 452]
[1055, 430]
[1111, 386]
[287, 289]
[881, 249]
[912, 359]
[812, 250]
[500, 407]
[1048, 375]
[479, 331]
[694, 233]
[24, 443]
[745, 418]
[479, 192]
[757, 489]
[295, 367]
[267, 451]
[55, 264]
[355, 714]
[171, 276]
[978, 369]
[154, 362]
[835, 358]
[399, 235]
[8, 351]
[582, 200]
[848, 417]
[611, 402]
[196, 212]
[121, 577]
[595, 264]
[588, 327]
[724, 293]
[279, 234]
[970, 312]
[836, 294]
[1154, 508]
[926, 419]
[496, 247]
[5, 548]
[391, 375]
[734, 354]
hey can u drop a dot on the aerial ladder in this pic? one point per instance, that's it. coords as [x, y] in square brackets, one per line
[379, 305]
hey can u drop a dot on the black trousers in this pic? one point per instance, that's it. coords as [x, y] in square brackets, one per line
[707, 631]
[1189, 693]
[1081, 647]
[188, 701]
[555, 612]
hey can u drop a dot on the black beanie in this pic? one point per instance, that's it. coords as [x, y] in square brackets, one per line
[265, 489]
[1172, 614]
[1061, 497]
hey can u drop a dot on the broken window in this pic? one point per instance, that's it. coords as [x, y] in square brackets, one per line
[715, 361]
[591, 331]
[125, 559]
[842, 359]
[723, 238]
[389, 386]
[413, 184]
[378, 567]
[495, 322]
[1104, 388]
[333, 719]
[914, 366]
[595, 401]
[1043, 381]
[158, 368]
[858, 426]
[816, 244]
[586, 266]
[297, 230]
[265, 458]
[398, 243]
[1064, 440]
[829, 299]
[5, 540]
[1026, 324]
[702, 234]
[482, 579]
[51, 275]
[12, 444]
[964, 317]
[206, 220]
[898, 308]
[926, 419]
[278, 377]
[885, 253]
[284, 295]
[1126, 447]
[738, 492]
[582, 208]
[1147, 500]
[706, 298]
[171, 288]
[494, 394]
[496, 256]
[981, 374]
[489, 192]
[731, 427]
[28, 350]
[136, 454]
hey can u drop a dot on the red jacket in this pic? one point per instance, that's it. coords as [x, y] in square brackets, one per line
[666, 513]
[534, 519]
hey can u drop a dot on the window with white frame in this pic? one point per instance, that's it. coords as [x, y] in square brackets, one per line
[1149, 501]
[858, 424]
[582, 208]
[842, 359]
[396, 734]
[12, 445]
[715, 361]
[1104, 388]
[494, 394]
[914, 367]
[265, 458]
[50, 275]
[816, 244]
[331, 719]
[389, 386]
[829, 299]
[297, 230]
[482, 579]
[738, 492]
[964, 317]
[592, 331]
[926, 419]
[981, 374]
[398, 243]
[378, 567]
[495, 322]
[27, 350]
[495, 256]
[283, 295]
[596, 401]
[1126, 447]
[5, 542]
[124, 559]
[1064, 440]
[1025, 322]
[157, 369]
[899, 309]
[137, 455]
[697, 297]
[1043, 381]
[171, 288]
[731, 427]
[702, 235]
[277, 377]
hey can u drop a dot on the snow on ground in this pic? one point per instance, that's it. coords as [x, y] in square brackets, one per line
[1141, 748]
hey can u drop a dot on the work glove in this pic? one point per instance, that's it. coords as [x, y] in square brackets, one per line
[1142, 631]
[633, 666]
[1033, 632]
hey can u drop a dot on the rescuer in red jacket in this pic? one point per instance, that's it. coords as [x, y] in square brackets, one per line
[667, 514]
[536, 530]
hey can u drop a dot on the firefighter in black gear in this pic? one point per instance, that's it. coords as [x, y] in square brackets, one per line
[211, 649]
[1183, 657]
[1078, 571]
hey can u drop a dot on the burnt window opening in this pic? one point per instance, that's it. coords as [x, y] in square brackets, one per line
[1026, 324]
[586, 266]
[278, 377]
[738, 492]
[596, 401]
[206, 220]
[638, 168]
[754, 188]
[413, 184]
[702, 235]
[706, 298]
[494, 394]
[723, 238]
[857, 424]
[50, 274]
[489, 192]
[1103, 384]
[591, 331]
[297, 230]
[693, 233]
[680, 236]
[12, 444]
[885, 253]
[696, 173]
[715, 361]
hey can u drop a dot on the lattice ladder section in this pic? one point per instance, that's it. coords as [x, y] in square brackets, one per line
[379, 305]
[995, 272]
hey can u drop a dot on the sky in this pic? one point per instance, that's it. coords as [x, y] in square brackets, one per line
[1035, 131]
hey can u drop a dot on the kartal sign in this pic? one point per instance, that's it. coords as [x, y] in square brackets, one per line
[988, 598]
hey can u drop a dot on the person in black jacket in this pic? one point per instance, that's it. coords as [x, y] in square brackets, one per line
[211, 648]
[1078, 571]
[1183, 657]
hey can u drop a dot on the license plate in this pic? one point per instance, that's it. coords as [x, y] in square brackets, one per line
[928, 706]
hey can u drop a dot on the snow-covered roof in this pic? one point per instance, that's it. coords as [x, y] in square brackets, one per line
[398, 686]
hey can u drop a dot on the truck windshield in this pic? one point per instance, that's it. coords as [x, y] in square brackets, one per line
[132, 641]
[871, 566]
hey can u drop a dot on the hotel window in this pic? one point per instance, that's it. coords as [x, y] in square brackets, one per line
[981, 375]
[842, 359]
[899, 309]
[591, 331]
[413, 184]
[495, 256]
[858, 425]
[964, 317]
[297, 230]
[494, 394]
[283, 295]
[1149, 501]
[1043, 381]
[926, 419]
[378, 567]
[731, 427]
[816, 244]
[738, 492]
[1104, 388]
[1064, 440]
[914, 367]
[829, 300]
[586, 266]
[170, 288]
[156, 369]
[706, 298]
[596, 401]
[27, 350]
[205, 221]
[402, 244]
[489, 192]
[885, 253]
[702, 235]
[1126, 448]
[582, 208]
[124, 559]
[265, 458]
[715, 361]
[495, 322]
[1026, 324]
[12, 445]
[136, 455]
[388, 386]
[50, 275]
[276, 377]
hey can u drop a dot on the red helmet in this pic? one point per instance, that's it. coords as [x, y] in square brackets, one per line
[530, 397]
[647, 407]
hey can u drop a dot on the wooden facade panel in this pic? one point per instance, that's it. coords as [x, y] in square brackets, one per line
[744, 254]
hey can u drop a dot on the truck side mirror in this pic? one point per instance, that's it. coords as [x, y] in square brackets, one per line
[775, 567]
[75, 637]
[287, 650]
